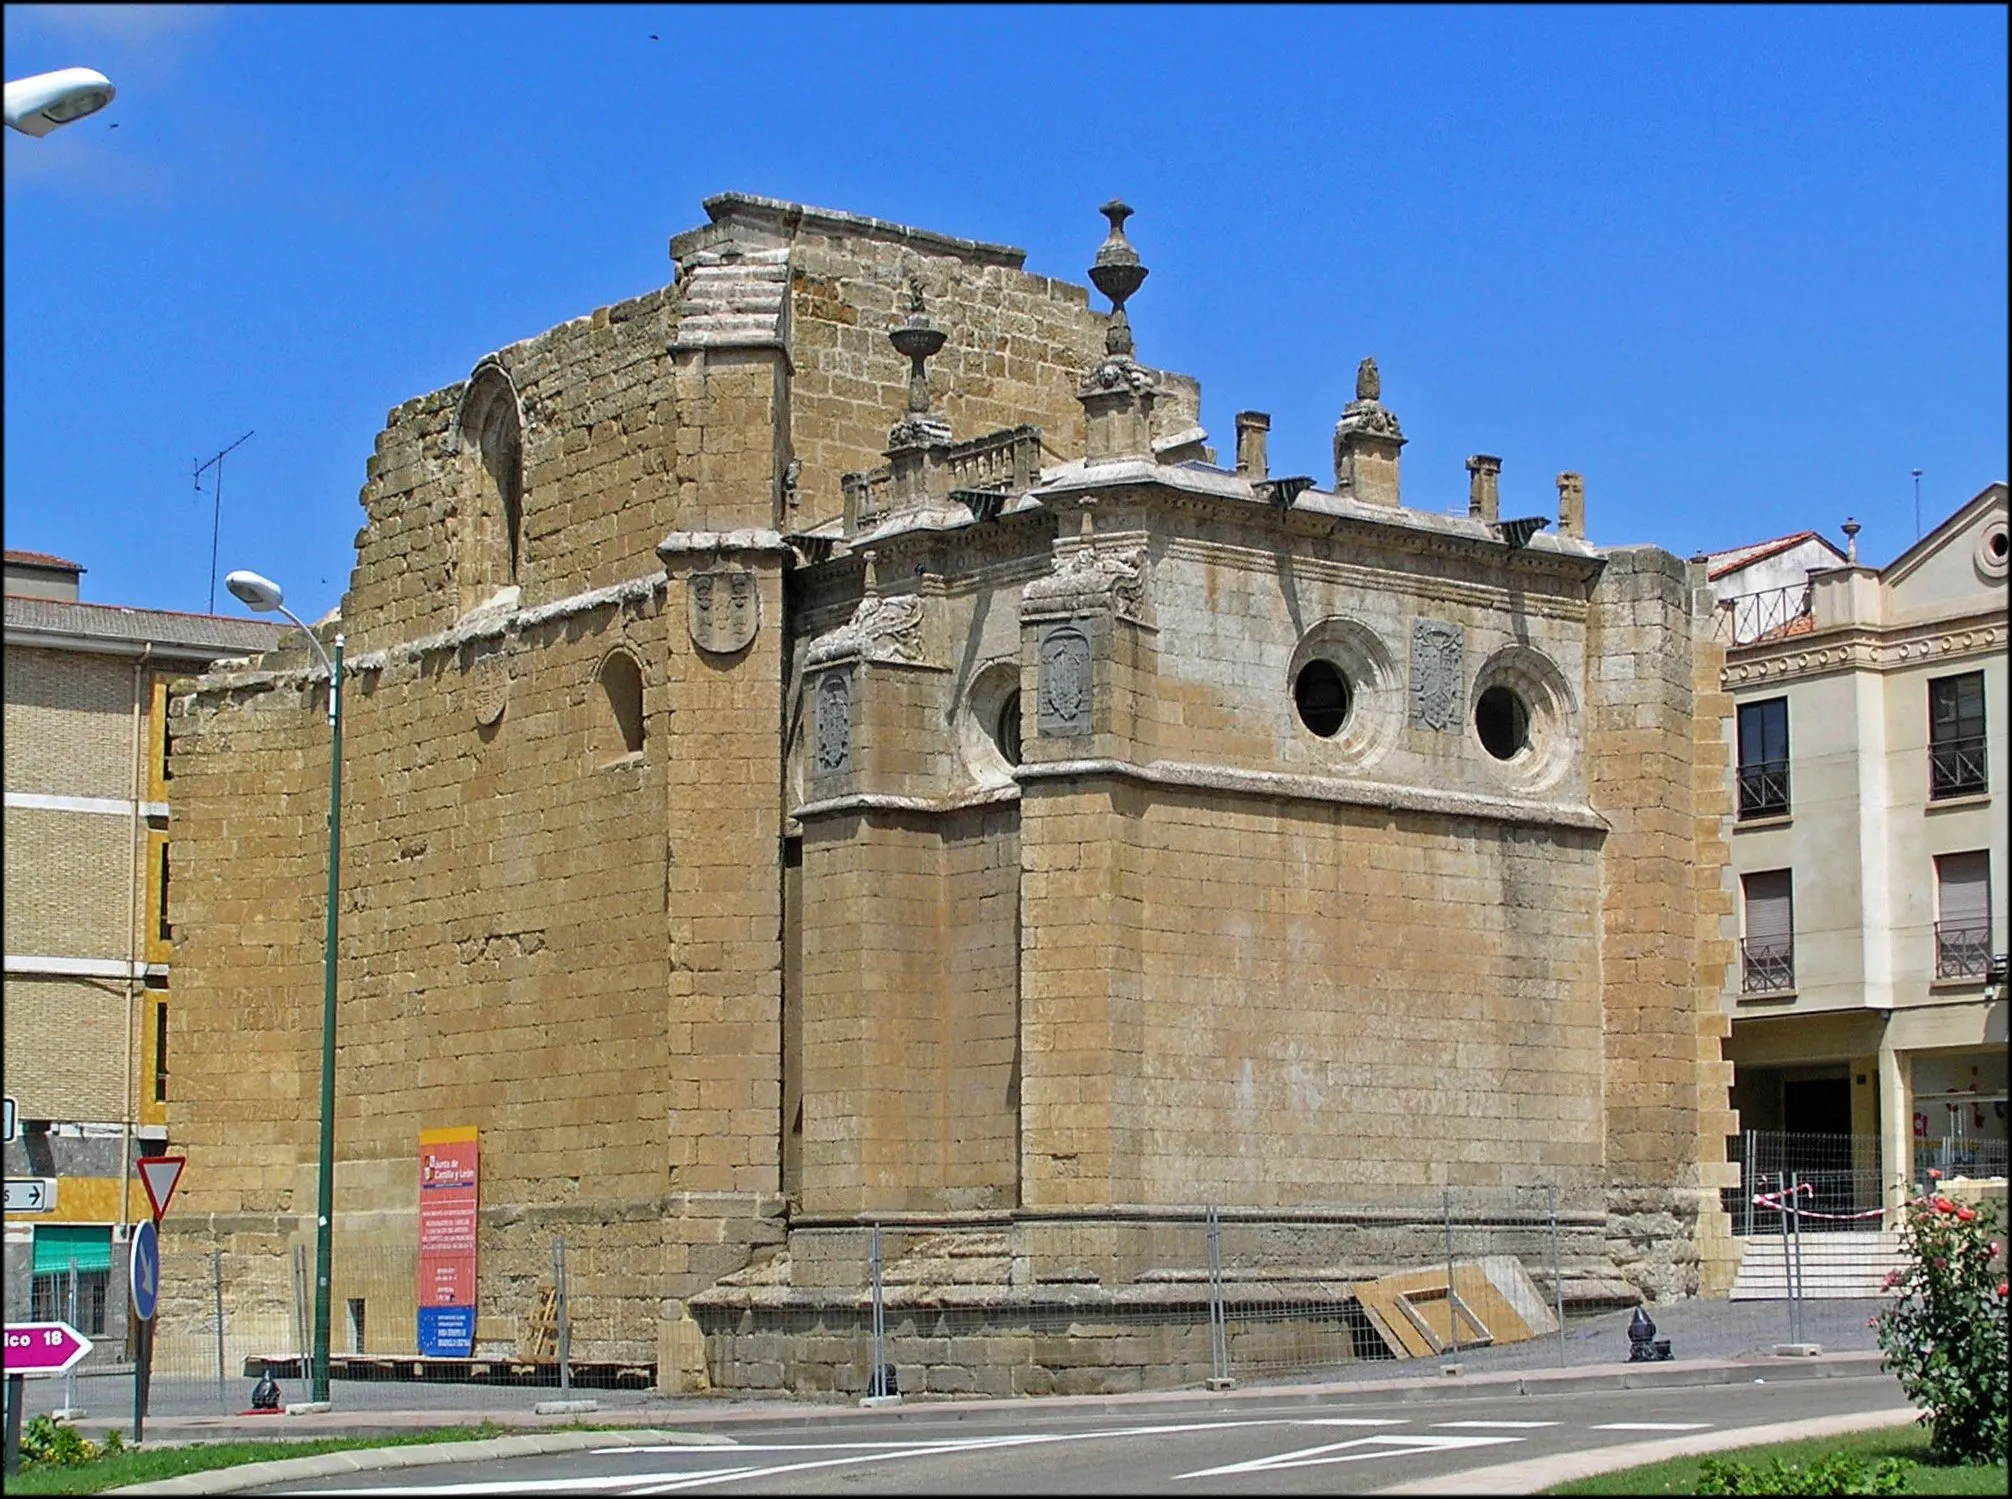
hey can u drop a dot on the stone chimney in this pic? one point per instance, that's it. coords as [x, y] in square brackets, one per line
[1572, 505]
[1484, 498]
[1366, 443]
[1252, 461]
[1117, 395]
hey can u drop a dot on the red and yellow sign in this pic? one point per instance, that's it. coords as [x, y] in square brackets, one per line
[450, 1176]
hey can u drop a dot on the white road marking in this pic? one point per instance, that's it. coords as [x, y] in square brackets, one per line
[1493, 1425]
[1652, 1426]
[1358, 1450]
[944, 1448]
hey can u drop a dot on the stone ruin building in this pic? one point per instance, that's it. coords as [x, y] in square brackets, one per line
[829, 743]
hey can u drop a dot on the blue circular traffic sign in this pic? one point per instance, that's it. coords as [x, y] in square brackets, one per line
[145, 1270]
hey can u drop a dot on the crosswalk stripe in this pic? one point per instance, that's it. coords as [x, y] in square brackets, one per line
[1493, 1425]
[1652, 1426]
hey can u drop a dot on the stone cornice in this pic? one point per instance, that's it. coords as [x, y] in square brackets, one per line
[1287, 786]
[840, 806]
[483, 624]
[1864, 648]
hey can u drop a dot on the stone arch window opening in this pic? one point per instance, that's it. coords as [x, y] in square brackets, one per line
[621, 729]
[492, 440]
[1502, 719]
[1324, 697]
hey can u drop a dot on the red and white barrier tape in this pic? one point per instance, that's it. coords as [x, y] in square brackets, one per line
[1774, 1200]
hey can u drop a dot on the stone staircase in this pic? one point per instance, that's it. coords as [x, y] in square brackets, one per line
[1849, 1265]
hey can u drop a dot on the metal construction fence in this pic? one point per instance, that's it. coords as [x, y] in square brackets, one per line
[1841, 1179]
[226, 1316]
[1184, 1296]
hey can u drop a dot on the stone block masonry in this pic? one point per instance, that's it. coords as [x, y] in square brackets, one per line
[755, 842]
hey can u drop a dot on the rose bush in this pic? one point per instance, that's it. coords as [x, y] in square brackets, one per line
[1944, 1334]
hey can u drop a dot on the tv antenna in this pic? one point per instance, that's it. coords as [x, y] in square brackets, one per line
[216, 509]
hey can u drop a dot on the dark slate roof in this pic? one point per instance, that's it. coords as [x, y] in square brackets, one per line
[209, 635]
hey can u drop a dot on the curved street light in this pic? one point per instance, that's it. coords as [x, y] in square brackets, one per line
[38, 105]
[264, 595]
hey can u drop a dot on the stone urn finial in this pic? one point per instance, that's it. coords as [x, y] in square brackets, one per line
[916, 340]
[1117, 274]
[1368, 384]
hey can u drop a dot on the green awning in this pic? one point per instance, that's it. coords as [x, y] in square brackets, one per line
[56, 1244]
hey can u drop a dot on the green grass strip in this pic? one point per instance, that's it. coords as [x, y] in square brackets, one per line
[1679, 1475]
[150, 1465]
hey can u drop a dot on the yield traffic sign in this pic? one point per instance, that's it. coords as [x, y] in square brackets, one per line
[43, 1347]
[158, 1174]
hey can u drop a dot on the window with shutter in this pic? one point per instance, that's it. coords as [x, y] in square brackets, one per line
[1963, 911]
[1768, 949]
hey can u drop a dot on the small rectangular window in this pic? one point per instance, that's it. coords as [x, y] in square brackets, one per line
[1763, 774]
[1956, 739]
[161, 1052]
[162, 925]
[1963, 915]
[1767, 951]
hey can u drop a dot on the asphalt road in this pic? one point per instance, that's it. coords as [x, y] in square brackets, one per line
[1249, 1446]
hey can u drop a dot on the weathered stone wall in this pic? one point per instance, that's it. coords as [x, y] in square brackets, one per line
[1660, 903]
[910, 1014]
[600, 451]
[1317, 1003]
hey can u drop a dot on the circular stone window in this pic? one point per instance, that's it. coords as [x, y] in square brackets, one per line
[1347, 694]
[1006, 729]
[988, 726]
[1322, 695]
[1994, 551]
[1524, 715]
[1502, 719]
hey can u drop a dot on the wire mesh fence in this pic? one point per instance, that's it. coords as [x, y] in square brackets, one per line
[227, 1317]
[1155, 1298]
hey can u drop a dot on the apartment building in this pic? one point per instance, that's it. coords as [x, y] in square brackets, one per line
[87, 943]
[1868, 1000]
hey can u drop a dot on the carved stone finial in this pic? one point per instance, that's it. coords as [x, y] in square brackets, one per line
[1851, 530]
[1368, 384]
[1117, 273]
[916, 340]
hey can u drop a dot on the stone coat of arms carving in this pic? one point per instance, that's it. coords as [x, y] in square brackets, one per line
[831, 750]
[725, 607]
[1436, 649]
[1065, 680]
[489, 686]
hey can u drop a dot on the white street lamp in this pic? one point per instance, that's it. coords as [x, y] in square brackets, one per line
[264, 595]
[38, 105]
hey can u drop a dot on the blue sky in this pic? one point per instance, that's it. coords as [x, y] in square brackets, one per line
[1743, 268]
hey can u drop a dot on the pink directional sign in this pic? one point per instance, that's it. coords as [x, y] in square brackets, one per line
[43, 1347]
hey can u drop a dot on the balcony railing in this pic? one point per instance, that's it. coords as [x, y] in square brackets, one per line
[1764, 789]
[1962, 949]
[1767, 615]
[1956, 767]
[1767, 965]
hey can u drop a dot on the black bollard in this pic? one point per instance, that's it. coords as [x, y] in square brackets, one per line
[265, 1394]
[1642, 1338]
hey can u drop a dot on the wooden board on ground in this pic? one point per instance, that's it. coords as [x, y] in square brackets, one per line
[1491, 1300]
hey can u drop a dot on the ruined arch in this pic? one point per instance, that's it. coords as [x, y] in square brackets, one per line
[489, 439]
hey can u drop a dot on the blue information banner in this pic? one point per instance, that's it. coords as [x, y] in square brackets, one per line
[447, 1331]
